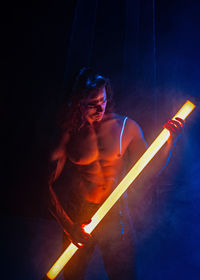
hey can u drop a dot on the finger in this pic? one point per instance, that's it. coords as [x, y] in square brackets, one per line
[175, 123]
[83, 237]
[80, 240]
[78, 244]
[83, 228]
[170, 128]
[86, 235]
[181, 121]
[87, 222]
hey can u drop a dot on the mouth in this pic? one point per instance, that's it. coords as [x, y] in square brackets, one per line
[98, 116]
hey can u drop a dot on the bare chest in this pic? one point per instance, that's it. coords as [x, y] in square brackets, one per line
[103, 143]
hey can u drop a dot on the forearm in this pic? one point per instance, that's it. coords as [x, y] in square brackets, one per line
[74, 231]
[148, 177]
[156, 165]
[55, 207]
[161, 160]
[58, 211]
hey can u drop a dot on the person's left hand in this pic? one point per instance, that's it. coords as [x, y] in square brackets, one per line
[175, 127]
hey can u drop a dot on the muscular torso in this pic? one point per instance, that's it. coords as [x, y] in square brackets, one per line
[97, 157]
[95, 151]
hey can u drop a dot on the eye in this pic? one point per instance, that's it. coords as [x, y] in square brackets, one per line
[91, 105]
[94, 106]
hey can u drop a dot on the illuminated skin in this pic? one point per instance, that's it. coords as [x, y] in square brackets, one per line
[95, 152]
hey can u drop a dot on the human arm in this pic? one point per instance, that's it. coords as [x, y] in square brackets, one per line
[155, 166]
[137, 145]
[73, 230]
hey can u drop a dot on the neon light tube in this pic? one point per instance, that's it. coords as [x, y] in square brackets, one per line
[185, 110]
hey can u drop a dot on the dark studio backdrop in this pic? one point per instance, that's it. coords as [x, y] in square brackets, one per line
[150, 51]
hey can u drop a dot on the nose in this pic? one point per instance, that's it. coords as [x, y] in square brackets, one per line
[99, 108]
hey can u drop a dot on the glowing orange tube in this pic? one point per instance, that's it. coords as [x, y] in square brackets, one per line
[185, 110]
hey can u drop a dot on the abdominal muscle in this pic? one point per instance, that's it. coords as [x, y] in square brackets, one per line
[98, 180]
[97, 159]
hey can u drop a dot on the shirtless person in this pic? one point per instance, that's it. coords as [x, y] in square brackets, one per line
[95, 152]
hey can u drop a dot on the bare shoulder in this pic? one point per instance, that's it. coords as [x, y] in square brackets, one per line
[131, 126]
[115, 117]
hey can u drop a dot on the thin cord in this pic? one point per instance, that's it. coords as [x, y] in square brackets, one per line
[155, 66]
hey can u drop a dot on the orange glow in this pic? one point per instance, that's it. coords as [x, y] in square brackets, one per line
[185, 110]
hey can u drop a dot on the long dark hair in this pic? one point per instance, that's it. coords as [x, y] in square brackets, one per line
[86, 82]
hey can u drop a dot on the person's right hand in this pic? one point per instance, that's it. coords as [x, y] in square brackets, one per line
[77, 234]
